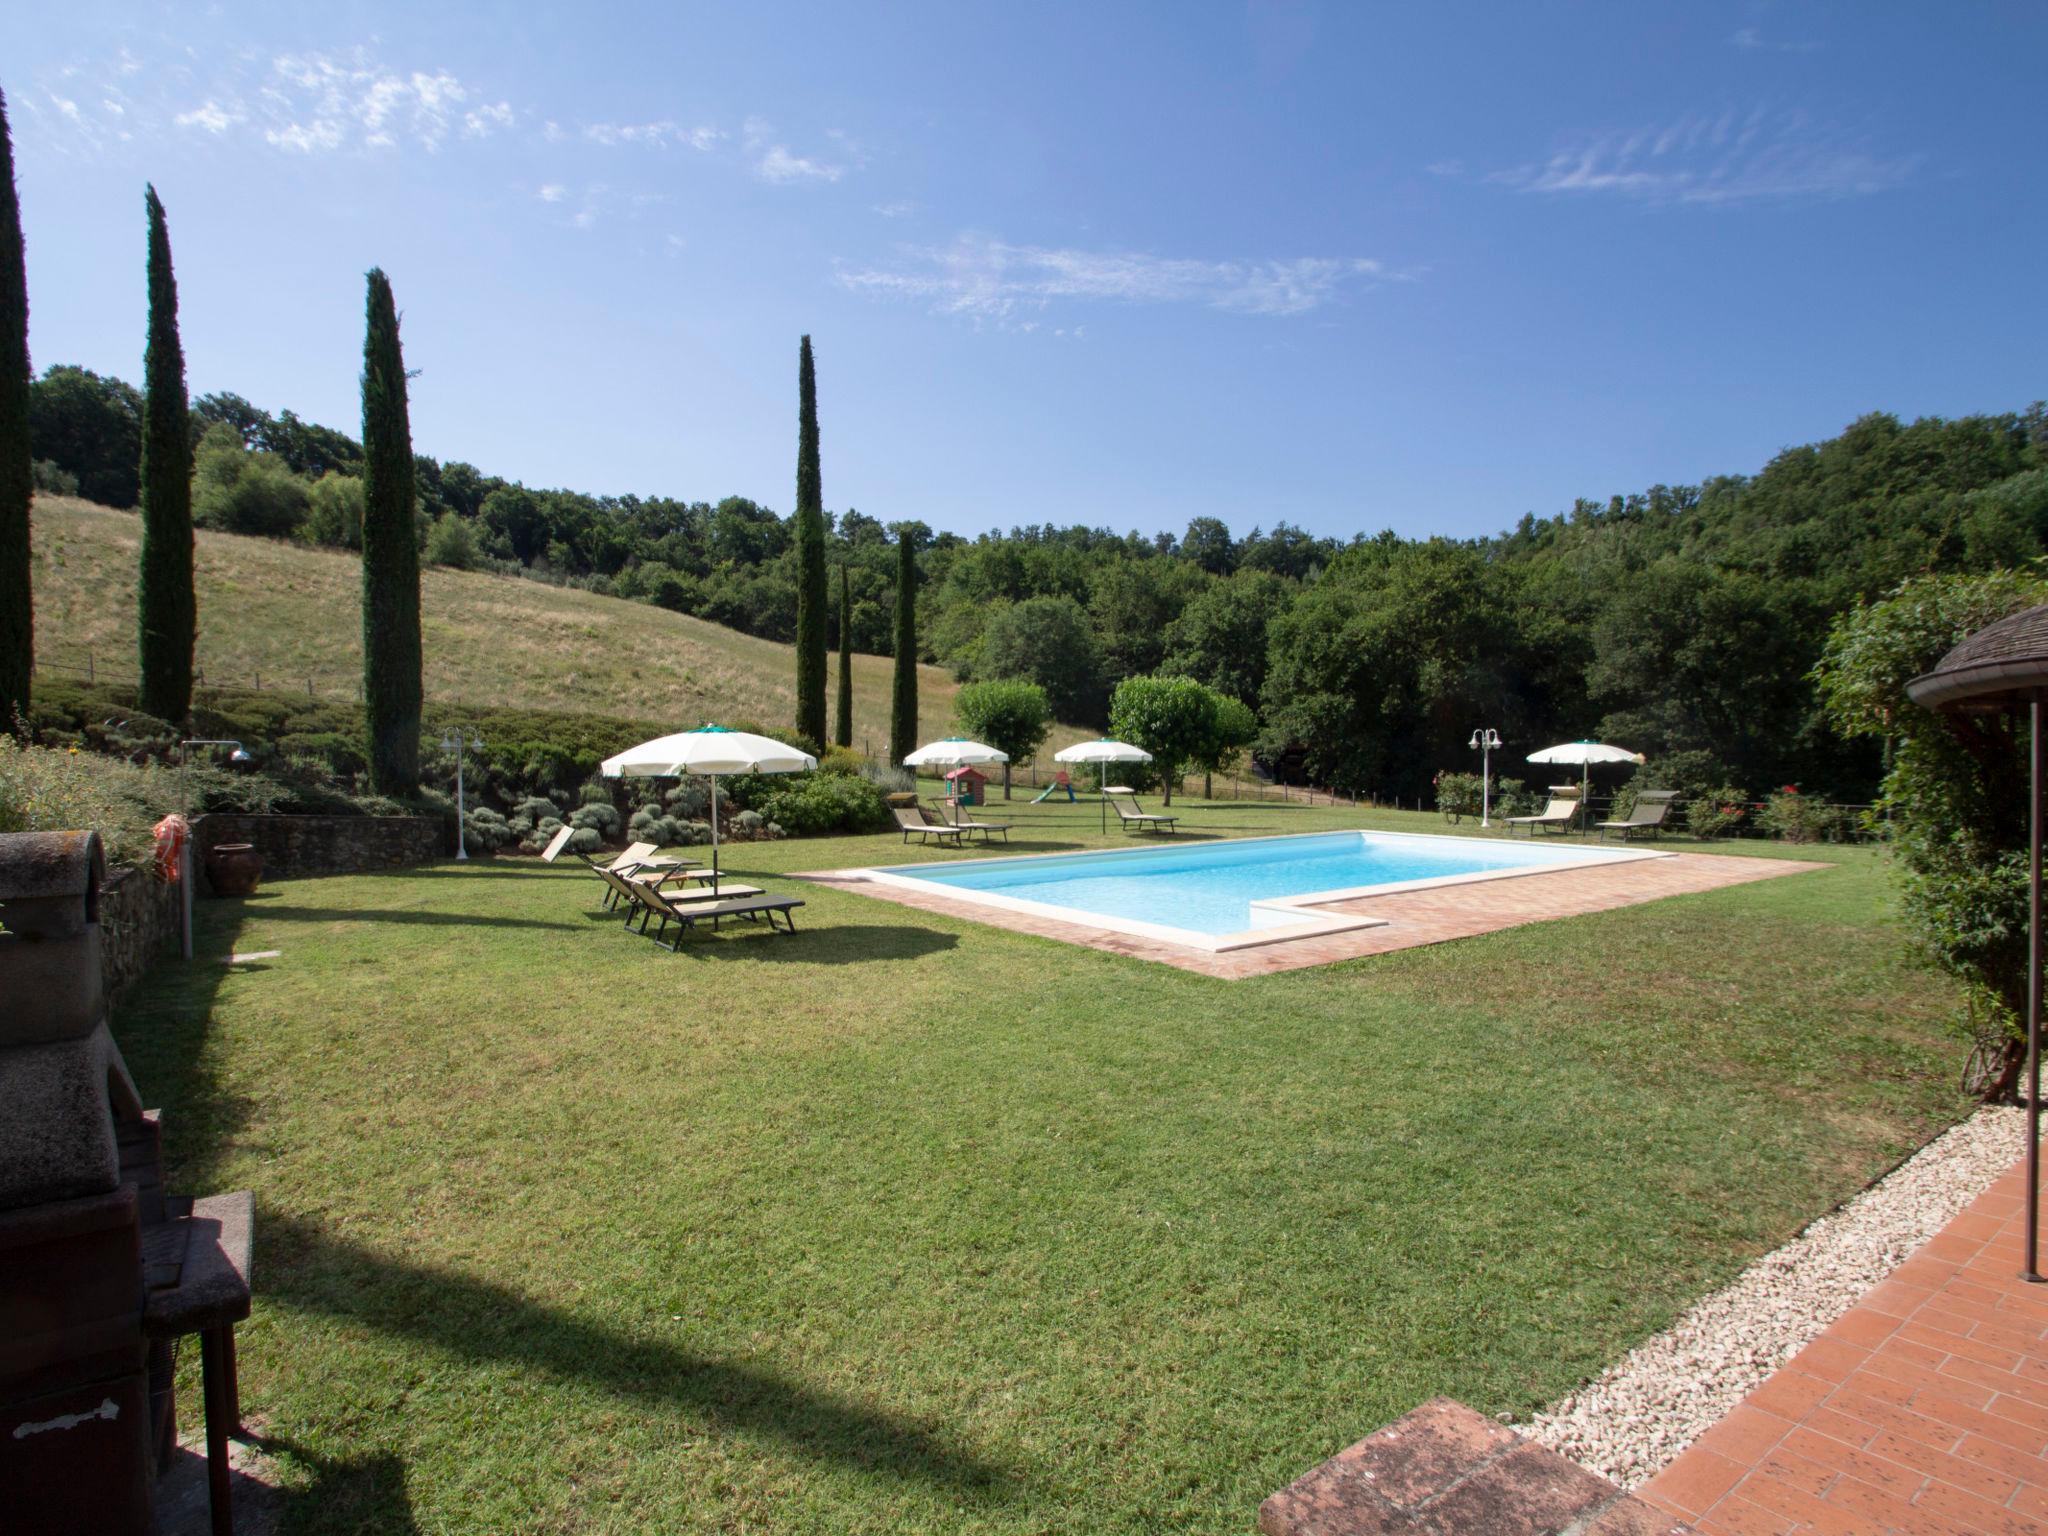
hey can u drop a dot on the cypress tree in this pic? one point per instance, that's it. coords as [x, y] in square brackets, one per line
[812, 610]
[391, 558]
[17, 599]
[903, 696]
[843, 736]
[166, 612]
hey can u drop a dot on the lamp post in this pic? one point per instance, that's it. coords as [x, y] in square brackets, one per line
[1484, 740]
[452, 741]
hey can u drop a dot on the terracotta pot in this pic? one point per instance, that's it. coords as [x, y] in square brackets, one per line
[234, 869]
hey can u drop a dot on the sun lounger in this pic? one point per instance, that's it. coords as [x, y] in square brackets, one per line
[956, 816]
[1651, 807]
[1558, 814]
[1127, 812]
[658, 906]
[914, 822]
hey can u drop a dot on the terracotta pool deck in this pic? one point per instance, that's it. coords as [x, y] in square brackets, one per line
[1924, 1409]
[1411, 918]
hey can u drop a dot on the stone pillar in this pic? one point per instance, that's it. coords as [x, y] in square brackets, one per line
[74, 1417]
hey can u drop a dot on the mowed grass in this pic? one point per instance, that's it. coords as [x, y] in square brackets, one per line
[289, 616]
[907, 1224]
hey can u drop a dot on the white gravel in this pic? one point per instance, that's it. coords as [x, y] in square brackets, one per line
[1635, 1419]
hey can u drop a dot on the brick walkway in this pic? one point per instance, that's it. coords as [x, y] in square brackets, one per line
[1412, 917]
[1923, 1409]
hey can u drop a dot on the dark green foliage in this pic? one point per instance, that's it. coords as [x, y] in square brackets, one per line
[812, 607]
[842, 734]
[90, 427]
[17, 610]
[1047, 641]
[903, 693]
[1011, 716]
[237, 491]
[166, 612]
[391, 563]
[1957, 800]
[810, 804]
[1220, 636]
[1176, 719]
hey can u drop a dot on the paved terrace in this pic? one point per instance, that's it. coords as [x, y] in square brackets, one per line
[1411, 917]
[1923, 1409]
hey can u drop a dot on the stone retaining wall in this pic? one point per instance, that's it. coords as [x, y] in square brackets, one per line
[326, 845]
[138, 925]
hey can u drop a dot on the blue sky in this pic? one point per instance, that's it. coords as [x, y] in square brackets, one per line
[1419, 267]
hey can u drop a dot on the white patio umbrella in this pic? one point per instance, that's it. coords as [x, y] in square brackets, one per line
[959, 752]
[709, 750]
[1583, 754]
[953, 752]
[1104, 750]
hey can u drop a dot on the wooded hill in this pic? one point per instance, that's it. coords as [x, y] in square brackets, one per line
[1681, 621]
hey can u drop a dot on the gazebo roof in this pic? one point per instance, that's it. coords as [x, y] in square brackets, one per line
[2001, 667]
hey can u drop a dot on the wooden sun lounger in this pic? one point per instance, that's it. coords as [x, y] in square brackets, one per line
[914, 821]
[1137, 818]
[954, 816]
[1562, 810]
[657, 906]
[1651, 807]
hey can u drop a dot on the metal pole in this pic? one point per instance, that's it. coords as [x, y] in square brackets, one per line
[461, 816]
[2035, 754]
[185, 890]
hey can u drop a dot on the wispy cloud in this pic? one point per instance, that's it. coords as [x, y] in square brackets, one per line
[773, 161]
[553, 192]
[990, 279]
[209, 115]
[901, 208]
[659, 135]
[314, 102]
[1735, 157]
[1750, 40]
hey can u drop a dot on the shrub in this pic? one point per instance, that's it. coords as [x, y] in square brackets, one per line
[450, 543]
[1458, 794]
[1717, 810]
[1513, 797]
[1797, 817]
[334, 511]
[52, 479]
[485, 831]
[690, 798]
[747, 826]
[44, 789]
[601, 819]
[810, 804]
[242, 492]
[842, 760]
[584, 840]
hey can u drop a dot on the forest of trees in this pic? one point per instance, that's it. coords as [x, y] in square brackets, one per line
[1682, 621]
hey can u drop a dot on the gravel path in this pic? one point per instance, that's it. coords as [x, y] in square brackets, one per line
[1643, 1411]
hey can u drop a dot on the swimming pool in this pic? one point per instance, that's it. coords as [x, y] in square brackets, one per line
[1258, 890]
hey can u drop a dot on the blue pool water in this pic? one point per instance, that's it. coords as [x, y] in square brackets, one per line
[1209, 887]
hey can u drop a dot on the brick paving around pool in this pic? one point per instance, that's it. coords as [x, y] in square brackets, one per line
[1412, 918]
[1924, 1409]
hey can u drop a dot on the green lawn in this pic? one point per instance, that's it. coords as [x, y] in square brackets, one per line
[908, 1224]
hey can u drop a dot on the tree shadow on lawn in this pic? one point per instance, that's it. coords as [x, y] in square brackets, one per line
[391, 915]
[312, 1270]
[813, 943]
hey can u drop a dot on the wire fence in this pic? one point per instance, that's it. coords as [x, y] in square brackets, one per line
[90, 665]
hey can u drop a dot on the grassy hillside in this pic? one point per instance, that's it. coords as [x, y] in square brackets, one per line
[289, 617]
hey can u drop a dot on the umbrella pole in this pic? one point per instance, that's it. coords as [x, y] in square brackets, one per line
[2035, 753]
[714, 834]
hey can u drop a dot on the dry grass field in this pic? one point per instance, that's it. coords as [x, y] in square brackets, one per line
[287, 616]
